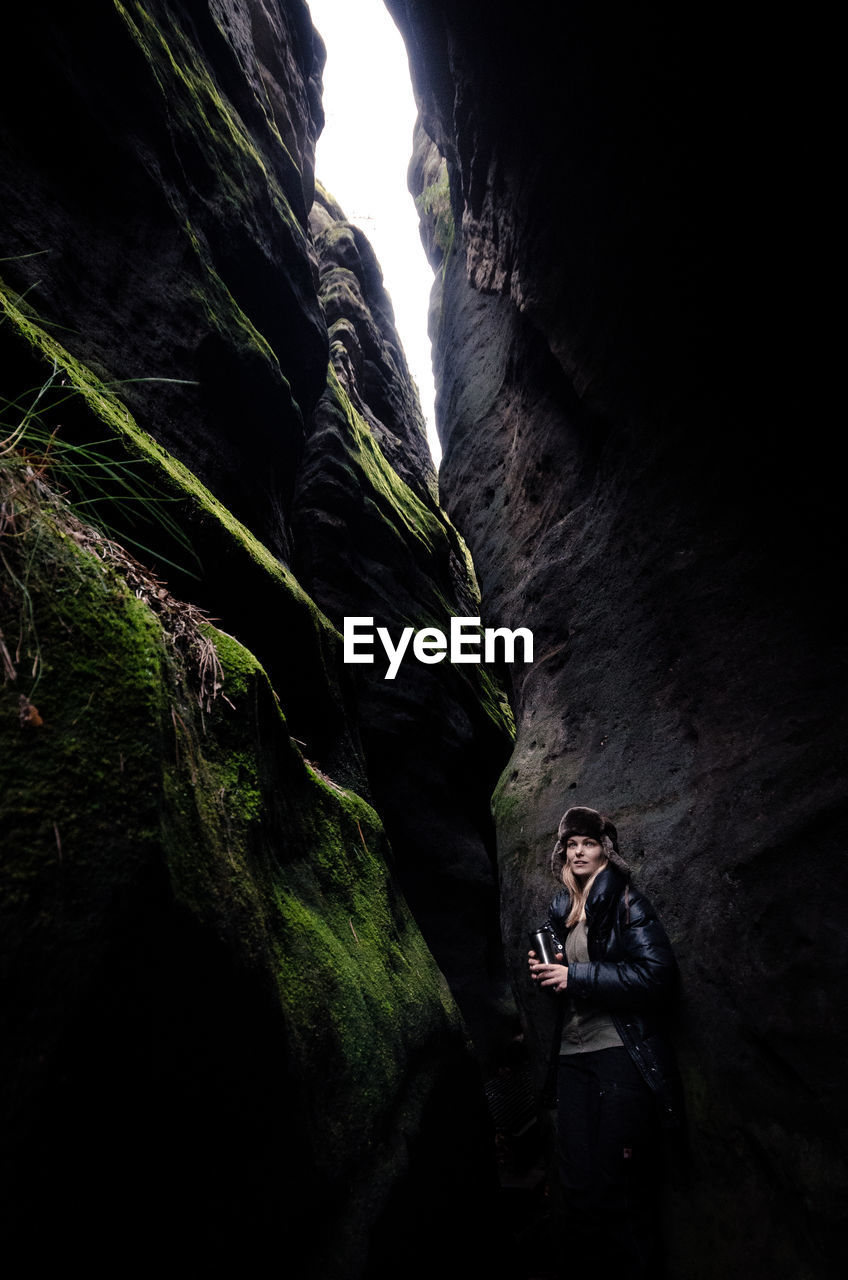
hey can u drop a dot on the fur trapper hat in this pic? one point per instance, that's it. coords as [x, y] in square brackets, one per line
[582, 821]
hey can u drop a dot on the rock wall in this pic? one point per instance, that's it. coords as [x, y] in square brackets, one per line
[607, 368]
[198, 928]
[224, 1029]
[371, 540]
[168, 150]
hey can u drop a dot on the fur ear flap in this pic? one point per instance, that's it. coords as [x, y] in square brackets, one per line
[615, 857]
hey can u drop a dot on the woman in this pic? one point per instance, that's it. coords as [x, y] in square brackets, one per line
[616, 1080]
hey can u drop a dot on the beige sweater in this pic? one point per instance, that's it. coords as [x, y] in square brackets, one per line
[587, 1026]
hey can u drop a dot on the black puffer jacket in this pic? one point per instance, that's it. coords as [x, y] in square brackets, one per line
[631, 973]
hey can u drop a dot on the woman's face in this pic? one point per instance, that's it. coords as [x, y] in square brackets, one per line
[585, 855]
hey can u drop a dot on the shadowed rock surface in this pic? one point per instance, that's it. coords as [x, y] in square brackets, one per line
[605, 402]
[372, 541]
[220, 1020]
[168, 151]
[223, 1029]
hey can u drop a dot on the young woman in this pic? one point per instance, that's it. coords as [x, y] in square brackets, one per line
[616, 1079]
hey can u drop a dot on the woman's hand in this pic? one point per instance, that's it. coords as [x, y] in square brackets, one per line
[554, 976]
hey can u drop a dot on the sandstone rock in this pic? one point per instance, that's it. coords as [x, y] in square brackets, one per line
[225, 1035]
[371, 540]
[198, 927]
[158, 165]
[610, 457]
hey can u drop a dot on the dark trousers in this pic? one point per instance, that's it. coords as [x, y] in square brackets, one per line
[609, 1152]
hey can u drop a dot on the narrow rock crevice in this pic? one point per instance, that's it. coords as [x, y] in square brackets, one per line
[265, 912]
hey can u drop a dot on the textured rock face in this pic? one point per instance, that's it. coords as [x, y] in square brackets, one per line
[208, 964]
[225, 1029]
[196, 193]
[622, 494]
[371, 541]
[198, 927]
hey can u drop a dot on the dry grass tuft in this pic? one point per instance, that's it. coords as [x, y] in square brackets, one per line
[27, 497]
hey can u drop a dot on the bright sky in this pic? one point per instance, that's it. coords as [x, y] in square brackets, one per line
[362, 159]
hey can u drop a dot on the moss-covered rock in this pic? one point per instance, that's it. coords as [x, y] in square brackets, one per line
[155, 192]
[155, 814]
[145, 497]
[225, 1031]
[371, 539]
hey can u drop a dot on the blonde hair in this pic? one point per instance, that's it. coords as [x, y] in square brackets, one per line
[580, 894]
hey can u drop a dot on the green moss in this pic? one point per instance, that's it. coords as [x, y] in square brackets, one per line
[494, 701]
[198, 108]
[506, 805]
[171, 477]
[240, 664]
[221, 310]
[259, 838]
[127, 771]
[404, 513]
[422, 533]
[435, 199]
[79, 780]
